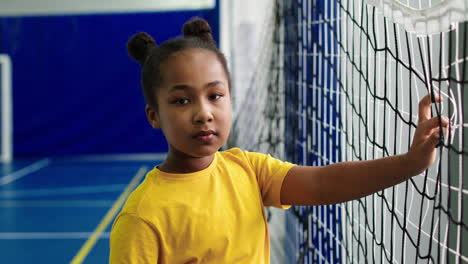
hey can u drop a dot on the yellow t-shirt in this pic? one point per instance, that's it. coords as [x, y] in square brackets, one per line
[215, 215]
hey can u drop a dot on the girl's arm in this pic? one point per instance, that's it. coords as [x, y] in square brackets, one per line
[345, 181]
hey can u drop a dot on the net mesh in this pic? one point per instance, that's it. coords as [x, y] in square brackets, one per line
[259, 123]
[344, 82]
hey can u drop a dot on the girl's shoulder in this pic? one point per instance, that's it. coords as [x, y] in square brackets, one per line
[245, 156]
[238, 151]
[231, 151]
[242, 153]
[138, 196]
[252, 158]
[235, 153]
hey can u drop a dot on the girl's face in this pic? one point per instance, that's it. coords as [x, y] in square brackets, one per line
[194, 103]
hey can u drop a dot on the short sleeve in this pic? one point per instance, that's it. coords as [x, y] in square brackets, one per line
[270, 175]
[132, 240]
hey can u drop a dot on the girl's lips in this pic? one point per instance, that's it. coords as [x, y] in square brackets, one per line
[205, 137]
[205, 133]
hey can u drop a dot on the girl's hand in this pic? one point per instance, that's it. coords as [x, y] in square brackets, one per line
[423, 149]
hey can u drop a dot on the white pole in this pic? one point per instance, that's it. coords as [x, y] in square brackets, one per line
[7, 109]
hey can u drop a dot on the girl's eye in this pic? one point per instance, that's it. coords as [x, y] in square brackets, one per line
[181, 101]
[215, 96]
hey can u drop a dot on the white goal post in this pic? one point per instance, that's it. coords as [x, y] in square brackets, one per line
[6, 141]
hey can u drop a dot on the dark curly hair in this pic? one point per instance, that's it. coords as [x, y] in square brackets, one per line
[143, 49]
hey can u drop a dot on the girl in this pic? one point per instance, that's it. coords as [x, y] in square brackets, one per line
[205, 206]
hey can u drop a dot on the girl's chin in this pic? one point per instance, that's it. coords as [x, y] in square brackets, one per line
[200, 152]
[204, 152]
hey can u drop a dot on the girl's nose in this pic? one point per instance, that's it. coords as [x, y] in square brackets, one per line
[203, 114]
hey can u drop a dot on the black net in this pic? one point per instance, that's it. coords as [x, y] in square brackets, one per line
[354, 80]
[344, 84]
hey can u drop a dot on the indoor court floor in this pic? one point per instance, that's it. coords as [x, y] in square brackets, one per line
[61, 210]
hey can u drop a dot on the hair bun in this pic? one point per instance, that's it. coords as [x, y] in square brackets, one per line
[199, 28]
[139, 47]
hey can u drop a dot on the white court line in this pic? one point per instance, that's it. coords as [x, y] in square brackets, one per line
[104, 223]
[48, 235]
[62, 191]
[56, 203]
[117, 157]
[24, 171]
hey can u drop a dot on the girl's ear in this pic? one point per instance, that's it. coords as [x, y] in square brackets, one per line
[153, 117]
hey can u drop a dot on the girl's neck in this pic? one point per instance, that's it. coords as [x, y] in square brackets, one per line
[177, 163]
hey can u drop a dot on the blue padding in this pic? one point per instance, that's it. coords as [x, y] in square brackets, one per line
[75, 89]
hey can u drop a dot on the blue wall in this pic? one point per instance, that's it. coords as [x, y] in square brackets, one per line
[75, 89]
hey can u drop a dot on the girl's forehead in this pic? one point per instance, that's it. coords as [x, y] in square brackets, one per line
[192, 54]
[192, 65]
